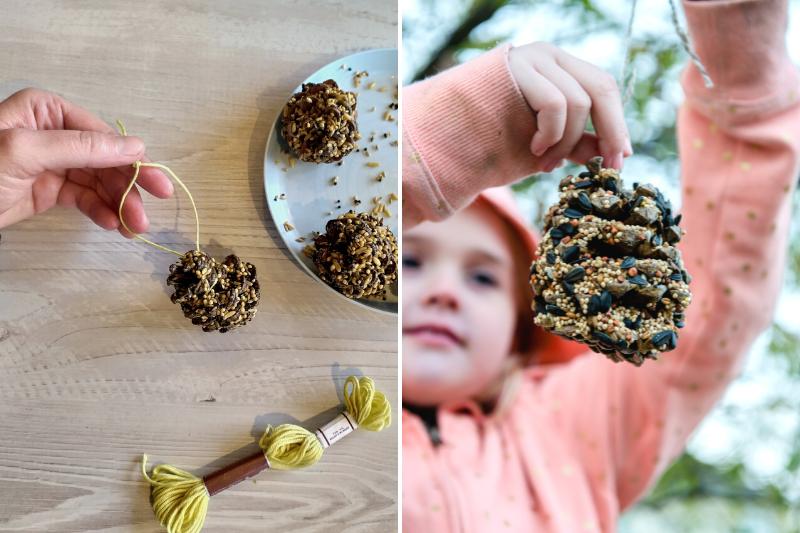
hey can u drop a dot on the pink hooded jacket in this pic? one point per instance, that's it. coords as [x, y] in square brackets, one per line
[583, 440]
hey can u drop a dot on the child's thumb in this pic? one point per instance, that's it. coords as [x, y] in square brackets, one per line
[36, 151]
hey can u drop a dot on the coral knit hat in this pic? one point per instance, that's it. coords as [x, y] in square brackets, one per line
[548, 348]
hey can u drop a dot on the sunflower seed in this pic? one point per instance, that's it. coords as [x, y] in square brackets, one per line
[583, 184]
[556, 233]
[568, 288]
[573, 213]
[551, 258]
[676, 276]
[575, 275]
[603, 338]
[570, 254]
[585, 203]
[638, 280]
[629, 262]
[554, 310]
[677, 219]
[661, 339]
[585, 175]
[673, 340]
[605, 301]
[567, 228]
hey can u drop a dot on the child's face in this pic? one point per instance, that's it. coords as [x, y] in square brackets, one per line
[459, 308]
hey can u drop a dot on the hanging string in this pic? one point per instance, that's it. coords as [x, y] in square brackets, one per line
[687, 46]
[628, 76]
[137, 166]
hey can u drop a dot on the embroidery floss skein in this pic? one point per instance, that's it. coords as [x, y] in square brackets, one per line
[214, 295]
[180, 499]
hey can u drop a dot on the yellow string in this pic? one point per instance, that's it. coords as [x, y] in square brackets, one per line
[288, 447]
[368, 406]
[137, 166]
[180, 499]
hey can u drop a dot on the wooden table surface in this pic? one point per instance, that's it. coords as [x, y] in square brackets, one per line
[96, 365]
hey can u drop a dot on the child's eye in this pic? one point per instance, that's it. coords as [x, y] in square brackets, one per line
[410, 261]
[485, 279]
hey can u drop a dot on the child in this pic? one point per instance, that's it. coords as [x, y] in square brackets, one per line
[491, 443]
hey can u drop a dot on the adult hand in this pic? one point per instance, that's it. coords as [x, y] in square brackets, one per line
[53, 152]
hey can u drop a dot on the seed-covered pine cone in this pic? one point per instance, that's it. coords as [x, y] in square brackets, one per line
[607, 271]
[357, 255]
[319, 123]
[216, 296]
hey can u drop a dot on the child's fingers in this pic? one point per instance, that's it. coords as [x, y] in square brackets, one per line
[578, 107]
[547, 101]
[607, 114]
[587, 148]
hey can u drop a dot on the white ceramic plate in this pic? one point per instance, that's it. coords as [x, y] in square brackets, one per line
[303, 195]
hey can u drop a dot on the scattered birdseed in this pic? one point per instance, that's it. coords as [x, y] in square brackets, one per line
[335, 180]
[388, 117]
[607, 271]
[216, 296]
[357, 77]
[287, 226]
[392, 197]
[371, 85]
[381, 175]
[373, 164]
[357, 255]
[319, 123]
[356, 201]
[393, 143]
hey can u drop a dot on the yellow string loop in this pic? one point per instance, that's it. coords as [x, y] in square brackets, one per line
[137, 166]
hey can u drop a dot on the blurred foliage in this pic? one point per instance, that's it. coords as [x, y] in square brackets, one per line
[726, 494]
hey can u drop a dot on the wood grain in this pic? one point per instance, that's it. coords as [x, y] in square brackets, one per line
[96, 365]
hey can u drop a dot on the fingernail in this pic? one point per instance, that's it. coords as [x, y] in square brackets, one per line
[129, 145]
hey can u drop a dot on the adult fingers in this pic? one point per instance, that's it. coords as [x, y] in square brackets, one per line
[32, 152]
[89, 203]
[115, 182]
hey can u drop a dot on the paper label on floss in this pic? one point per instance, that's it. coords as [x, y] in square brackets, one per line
[334, 430]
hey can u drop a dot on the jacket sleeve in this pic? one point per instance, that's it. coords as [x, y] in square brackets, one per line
[464, 130]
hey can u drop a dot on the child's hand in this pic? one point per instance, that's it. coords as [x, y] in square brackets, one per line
[52, 152]
[564, 90]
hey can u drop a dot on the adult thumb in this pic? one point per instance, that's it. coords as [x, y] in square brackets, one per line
[38, 150]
